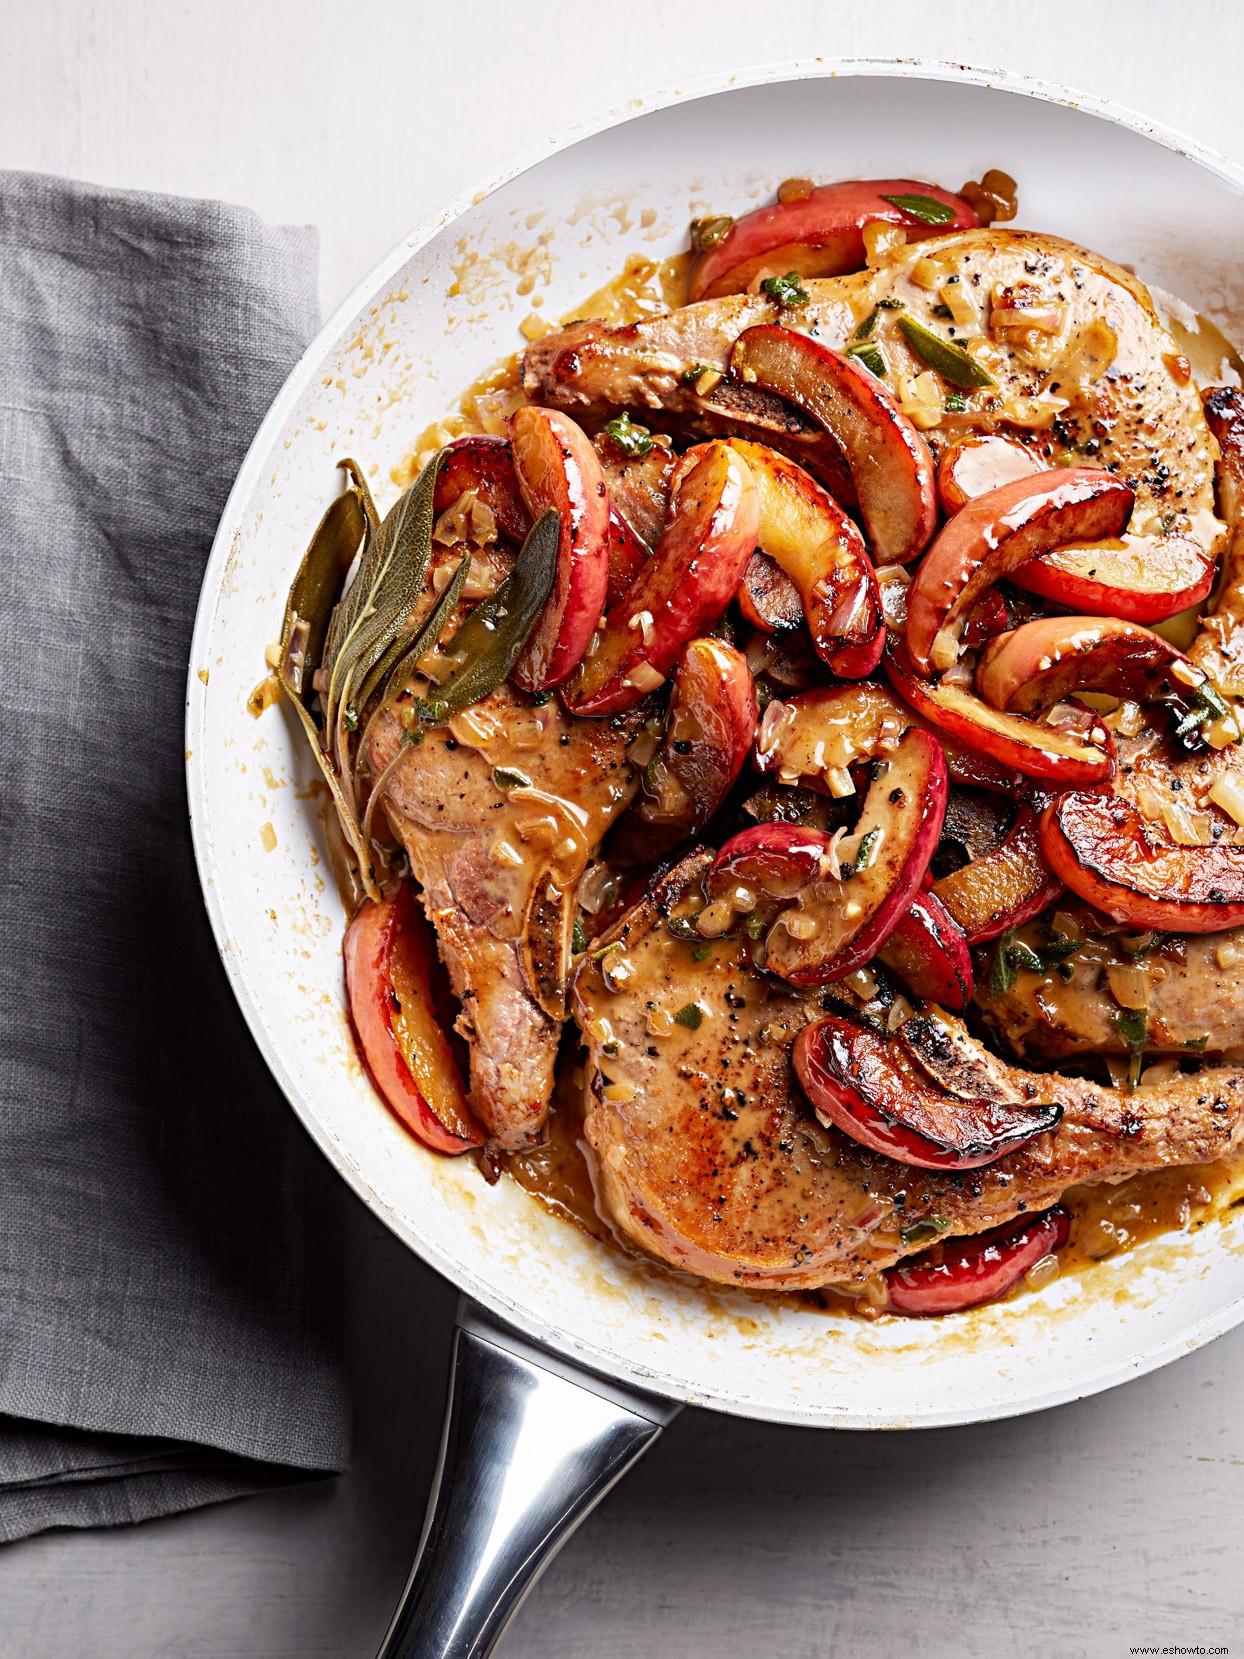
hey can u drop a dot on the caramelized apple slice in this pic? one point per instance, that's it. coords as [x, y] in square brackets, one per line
[807, 533]
[891, 464]
[979, 463]
[1033, 667]
[836, 925]
[1105, 850]
[557, 470]
[767, 597]
[1136, 578]
[869, 1086]
[929, 953]
[627, 557]
[390, 958]
[994, 535]
[708, 733]
[1030, 746]
[709, 535]
[1001, 889]
[820, 233]
[967, 1272]
[484, 466]
[772, 861]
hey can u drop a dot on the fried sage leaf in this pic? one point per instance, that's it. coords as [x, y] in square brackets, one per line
[317, 586]
[382, 595]
[487, 645]
[308, 610]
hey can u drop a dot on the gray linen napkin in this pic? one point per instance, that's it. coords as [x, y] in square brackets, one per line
[168, 1236]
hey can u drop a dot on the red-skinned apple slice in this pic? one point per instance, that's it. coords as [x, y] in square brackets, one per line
[1039, 664]
[868, 1086]
[708, 733]
[1030, 746]
[709, 534]
[979, 463]
[834, 926]
[774, 861]
[389, 958]
[1108, 853]
[820, 234]
[557, 469]
[928, 952]
[967, 1272]
[485, 466]
[1136, 578]
[995, 534]
[890, 462]
[1001, 889]
[804, 529]
[627, 557]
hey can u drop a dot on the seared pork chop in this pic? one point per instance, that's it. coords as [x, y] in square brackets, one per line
[1099, 370]
[499, 812]
[706, 1154]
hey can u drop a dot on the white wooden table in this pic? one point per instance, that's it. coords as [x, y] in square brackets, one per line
[1085, 1531]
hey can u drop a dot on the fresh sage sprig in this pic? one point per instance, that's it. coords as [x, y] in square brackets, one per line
[375, 606]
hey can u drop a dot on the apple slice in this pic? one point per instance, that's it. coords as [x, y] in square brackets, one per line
[817, 233]
[836, 925]
[627, 557]
[390, 958]
[1135, 578]
[979, 463]
[1106, 851]
[707, 736]
[967, 1272]
[1001, 889]
[557, 470]
[868, 1086]
[486, 467]
[767, 597]
[709, 535]
[804, 529]
[1030, 746]
[994, 535]
[890, 462]
[774, 861]
[1039, 664]
[928, 952]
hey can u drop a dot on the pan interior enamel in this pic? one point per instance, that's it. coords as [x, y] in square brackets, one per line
[438, 311]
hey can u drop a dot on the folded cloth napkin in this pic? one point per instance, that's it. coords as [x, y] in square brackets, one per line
[168, 1235]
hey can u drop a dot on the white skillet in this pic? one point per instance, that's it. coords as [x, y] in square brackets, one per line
[439, 309]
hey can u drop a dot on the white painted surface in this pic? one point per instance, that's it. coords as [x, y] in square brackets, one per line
[1082, 1531]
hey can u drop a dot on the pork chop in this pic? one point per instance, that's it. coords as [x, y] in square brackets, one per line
[499, 812]
[706, 1155]
[1063, 387]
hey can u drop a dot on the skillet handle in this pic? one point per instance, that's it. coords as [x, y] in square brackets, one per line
[531, 1444]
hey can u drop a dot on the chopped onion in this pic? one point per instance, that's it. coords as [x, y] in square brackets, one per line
[1228, 793]
[1129, 984]
[619, 1093]
[644, 677]
[715, 919]
[1042, 1273]
[1159, 1074]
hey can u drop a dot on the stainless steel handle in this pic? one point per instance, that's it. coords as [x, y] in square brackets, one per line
[531, 1443]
